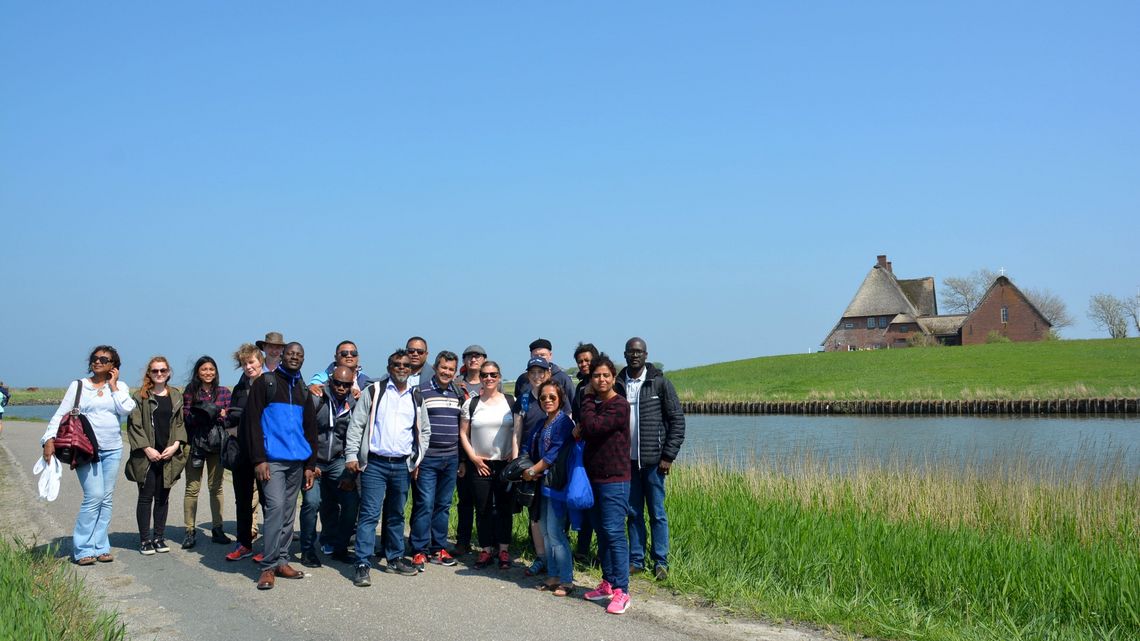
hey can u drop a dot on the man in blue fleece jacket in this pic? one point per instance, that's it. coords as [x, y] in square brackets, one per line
[282, 444]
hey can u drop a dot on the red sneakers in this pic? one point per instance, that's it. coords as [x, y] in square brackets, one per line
[419, 561]
[484, 559]
[504, 560]
[239, 552]
[604, 592]
[443, 558]
[619, 603]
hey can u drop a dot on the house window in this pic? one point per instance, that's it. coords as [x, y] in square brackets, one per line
[1005, 314]
[871, 323]
[883, 322]
[903, 328]
[848, 325]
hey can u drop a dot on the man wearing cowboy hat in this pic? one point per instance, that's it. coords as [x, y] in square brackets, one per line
[273, 346]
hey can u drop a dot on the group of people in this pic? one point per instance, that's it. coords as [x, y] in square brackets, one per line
[350, 448]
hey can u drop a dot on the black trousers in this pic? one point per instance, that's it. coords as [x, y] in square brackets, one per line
[244, 484]
[465, 505]
[151, 493]
[494, 506]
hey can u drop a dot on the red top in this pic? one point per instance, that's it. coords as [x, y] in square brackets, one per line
[605, 429]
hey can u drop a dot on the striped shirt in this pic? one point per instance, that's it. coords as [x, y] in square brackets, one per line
[443, 407]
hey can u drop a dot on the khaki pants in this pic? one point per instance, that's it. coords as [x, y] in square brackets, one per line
[213, 465]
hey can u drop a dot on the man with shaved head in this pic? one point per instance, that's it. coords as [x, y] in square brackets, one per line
[281, 438]
[333, 495]
[656, 432]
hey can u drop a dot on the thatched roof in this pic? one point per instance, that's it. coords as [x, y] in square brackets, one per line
[942, 325]
[920, 293]
[880, 295]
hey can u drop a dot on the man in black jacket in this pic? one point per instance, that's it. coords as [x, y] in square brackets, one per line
[333, 495]
[657, 430]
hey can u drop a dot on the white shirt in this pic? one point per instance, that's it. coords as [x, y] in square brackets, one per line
[104, 409]
[632, 395]
[395, 420]
[492, 428]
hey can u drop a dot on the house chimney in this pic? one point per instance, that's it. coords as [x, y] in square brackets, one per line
[889, 268]
[882, 261]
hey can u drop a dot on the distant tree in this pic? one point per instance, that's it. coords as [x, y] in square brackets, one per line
[1132, 310]
[961, 294]
[1107, 312]
[1051, 307]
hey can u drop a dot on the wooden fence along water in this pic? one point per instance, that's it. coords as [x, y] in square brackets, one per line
[1084, 406]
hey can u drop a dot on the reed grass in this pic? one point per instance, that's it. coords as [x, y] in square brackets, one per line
[897, 550]
[41, 599]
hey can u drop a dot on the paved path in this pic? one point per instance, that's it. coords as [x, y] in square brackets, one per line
[195, 595]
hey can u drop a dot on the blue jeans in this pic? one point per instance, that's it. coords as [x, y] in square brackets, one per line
[336, 507]
[647, 493]
[383, 486]
[559, 563]
[98, 483]
[431, 503]
[609, 514]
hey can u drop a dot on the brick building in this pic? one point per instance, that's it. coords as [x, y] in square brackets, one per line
[889, 312]
[1005, 310]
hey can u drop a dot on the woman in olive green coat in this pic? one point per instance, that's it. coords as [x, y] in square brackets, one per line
[158, 449]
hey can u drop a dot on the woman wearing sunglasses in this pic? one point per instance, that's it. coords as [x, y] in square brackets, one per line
[486, 434]
[156, 435]
[549, 439]
[105, 401]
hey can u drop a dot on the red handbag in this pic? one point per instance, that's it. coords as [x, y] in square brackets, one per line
[75, 440]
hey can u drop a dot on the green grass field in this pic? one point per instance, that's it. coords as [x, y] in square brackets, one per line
[898, 553]
[41, 598]
[1044, 370]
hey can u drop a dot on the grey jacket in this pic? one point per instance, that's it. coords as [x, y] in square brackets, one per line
[359, 433]
[661, 423]
[331, 427]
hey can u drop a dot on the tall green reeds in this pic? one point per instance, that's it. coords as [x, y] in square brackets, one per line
[902, 550]
[42, 600]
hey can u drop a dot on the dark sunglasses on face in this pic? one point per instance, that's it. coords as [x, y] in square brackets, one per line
[102, 360]
[400, 365]
[345, 353]
[548, 397]
[415, 350]
[336, 383]
[155, 370]
[488, 375]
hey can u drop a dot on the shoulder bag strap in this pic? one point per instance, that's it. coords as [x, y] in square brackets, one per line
[78, 391]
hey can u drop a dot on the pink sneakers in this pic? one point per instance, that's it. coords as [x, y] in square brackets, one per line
[619, 603]
[601, 593]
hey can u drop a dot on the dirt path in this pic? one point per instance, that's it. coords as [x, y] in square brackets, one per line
[197, 595]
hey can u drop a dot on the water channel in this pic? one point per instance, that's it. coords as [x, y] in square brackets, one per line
[1038, 442]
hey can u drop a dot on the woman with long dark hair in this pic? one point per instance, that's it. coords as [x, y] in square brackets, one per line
[204, 407]
[105, 401]
[605, 429]
[157, 437]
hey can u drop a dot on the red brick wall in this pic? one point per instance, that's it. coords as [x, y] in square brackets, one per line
[859, 336]
[1024, 324]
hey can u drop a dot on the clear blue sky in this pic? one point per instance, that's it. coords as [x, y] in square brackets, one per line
[716, 177]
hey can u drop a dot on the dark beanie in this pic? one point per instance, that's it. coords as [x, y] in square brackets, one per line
[541, 343]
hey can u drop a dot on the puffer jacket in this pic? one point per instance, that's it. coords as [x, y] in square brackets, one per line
[140, 435]
[331, 424]
[661, 423]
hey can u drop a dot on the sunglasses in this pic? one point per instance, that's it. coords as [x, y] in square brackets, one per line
[345, 353]
[400, 365]
[102, 360]
[336, 383]
[415, 350]
[548, 397]
[155, 370]
[488, 375]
